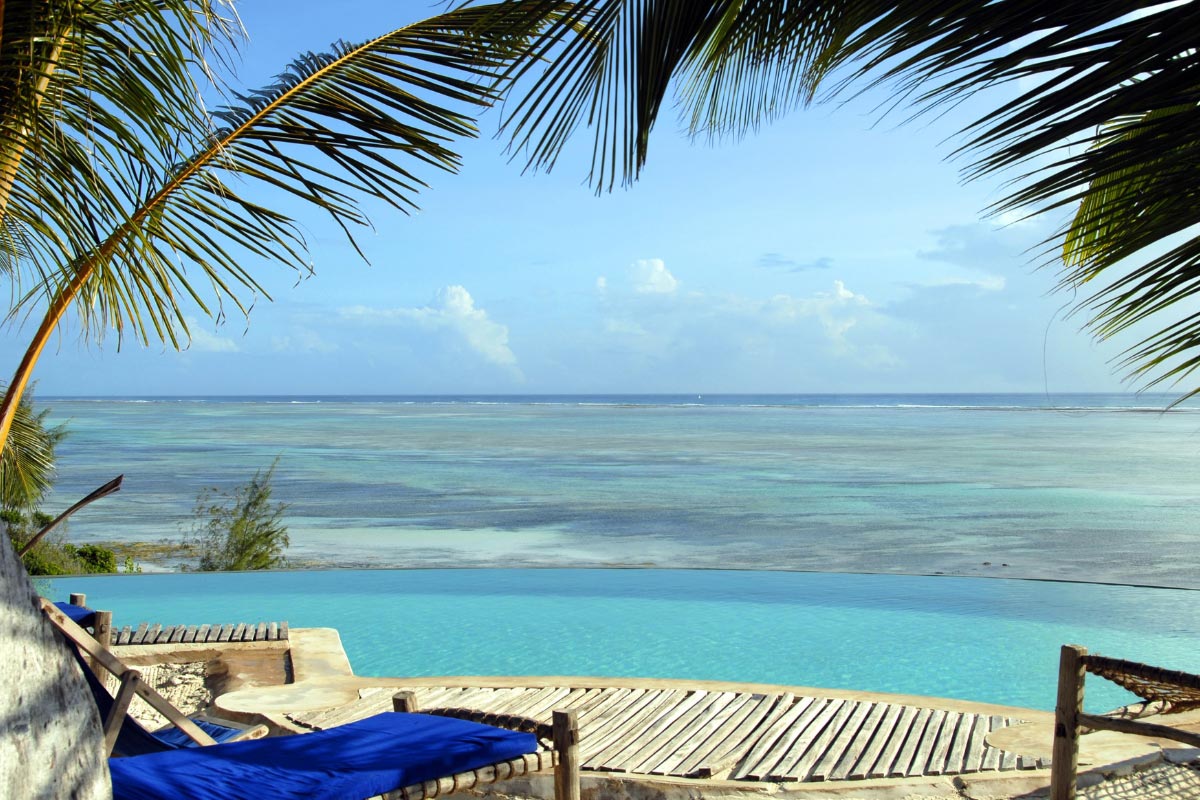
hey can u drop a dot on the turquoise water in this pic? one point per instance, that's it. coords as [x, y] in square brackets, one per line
[1092, 487]
[970, 638]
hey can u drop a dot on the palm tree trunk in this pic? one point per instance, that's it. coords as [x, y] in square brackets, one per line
[54, 314]
[51, 742]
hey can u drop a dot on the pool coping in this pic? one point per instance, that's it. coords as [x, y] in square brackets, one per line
[324, 678]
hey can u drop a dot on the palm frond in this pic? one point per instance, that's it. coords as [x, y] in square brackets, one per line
[80, 80]
[27, 463]
[361, 121]
[1082, 66]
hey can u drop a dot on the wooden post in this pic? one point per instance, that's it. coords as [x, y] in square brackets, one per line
[78, 599]
[405, 702]
[120, 706]
[566, 746]
[102, 629]
[1065, 765]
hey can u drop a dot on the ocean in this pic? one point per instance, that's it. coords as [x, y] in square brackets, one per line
[1075, 487]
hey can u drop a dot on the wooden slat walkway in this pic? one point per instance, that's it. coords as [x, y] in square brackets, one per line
[694, 733]
[146, 633]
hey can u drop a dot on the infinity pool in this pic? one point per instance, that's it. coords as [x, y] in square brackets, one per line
[976, 639]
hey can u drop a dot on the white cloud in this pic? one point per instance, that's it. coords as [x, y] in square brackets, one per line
[302, 340]
[651, 276]
[203, 341]
[623, 327]
[453, 311]
[835, 311]
[601, 283]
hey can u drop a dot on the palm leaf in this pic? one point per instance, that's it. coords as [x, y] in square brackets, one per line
[363, 120]
[1091, 65]
[27, 463]
[79, 81]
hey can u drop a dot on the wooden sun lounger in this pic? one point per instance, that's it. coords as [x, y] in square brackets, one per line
[558, 742]
[131, 685]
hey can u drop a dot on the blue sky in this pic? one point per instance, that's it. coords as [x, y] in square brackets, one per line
[833, 251]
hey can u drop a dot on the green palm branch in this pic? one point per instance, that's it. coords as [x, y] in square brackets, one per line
[134, 234]
[1105, 114]
[27, 465]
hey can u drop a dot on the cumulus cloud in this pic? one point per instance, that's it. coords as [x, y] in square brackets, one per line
[780, 261]
[453, 312]
[203, 341]
[651, 276]
[302, 340]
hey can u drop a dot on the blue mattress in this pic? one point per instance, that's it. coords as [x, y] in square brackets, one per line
[81, 616]
[349, 762]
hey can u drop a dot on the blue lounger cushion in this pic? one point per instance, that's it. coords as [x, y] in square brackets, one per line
[81, 616]
[177, 738]
[349, 762]
[135, 740]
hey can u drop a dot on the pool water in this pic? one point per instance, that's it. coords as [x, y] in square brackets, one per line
[987, 640]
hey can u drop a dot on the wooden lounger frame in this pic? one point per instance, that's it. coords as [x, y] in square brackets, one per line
[562, 735]
[1070, 721]
[131, 685]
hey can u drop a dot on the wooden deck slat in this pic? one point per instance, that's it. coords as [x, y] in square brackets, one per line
[841, 742]
[601, 730]
[922, 745]
[817, 750]
[467, 698]
[529, 698]
[973, 761]
[592, 700]
[631, 727]
[936, 763]
[498, 701]
[594, 711]
[803, 746]
[658, 735]
[545, 705]
[957, 756]
[438, 696]
[455, 697]
[742, 734]
[991, 755]
[598, 721]
[713, 738]
[158, 634]
[693, 733]
[899, 732]
[774, 741]
[875, 733]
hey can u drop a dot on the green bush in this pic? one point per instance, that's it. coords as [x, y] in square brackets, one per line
[239, 530]
[54, 555]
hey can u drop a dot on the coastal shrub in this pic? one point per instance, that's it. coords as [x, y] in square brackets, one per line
[239, 530]
[54, 555]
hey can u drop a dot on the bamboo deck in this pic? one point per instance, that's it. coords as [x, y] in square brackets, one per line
[146, 633]
[741, 736]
